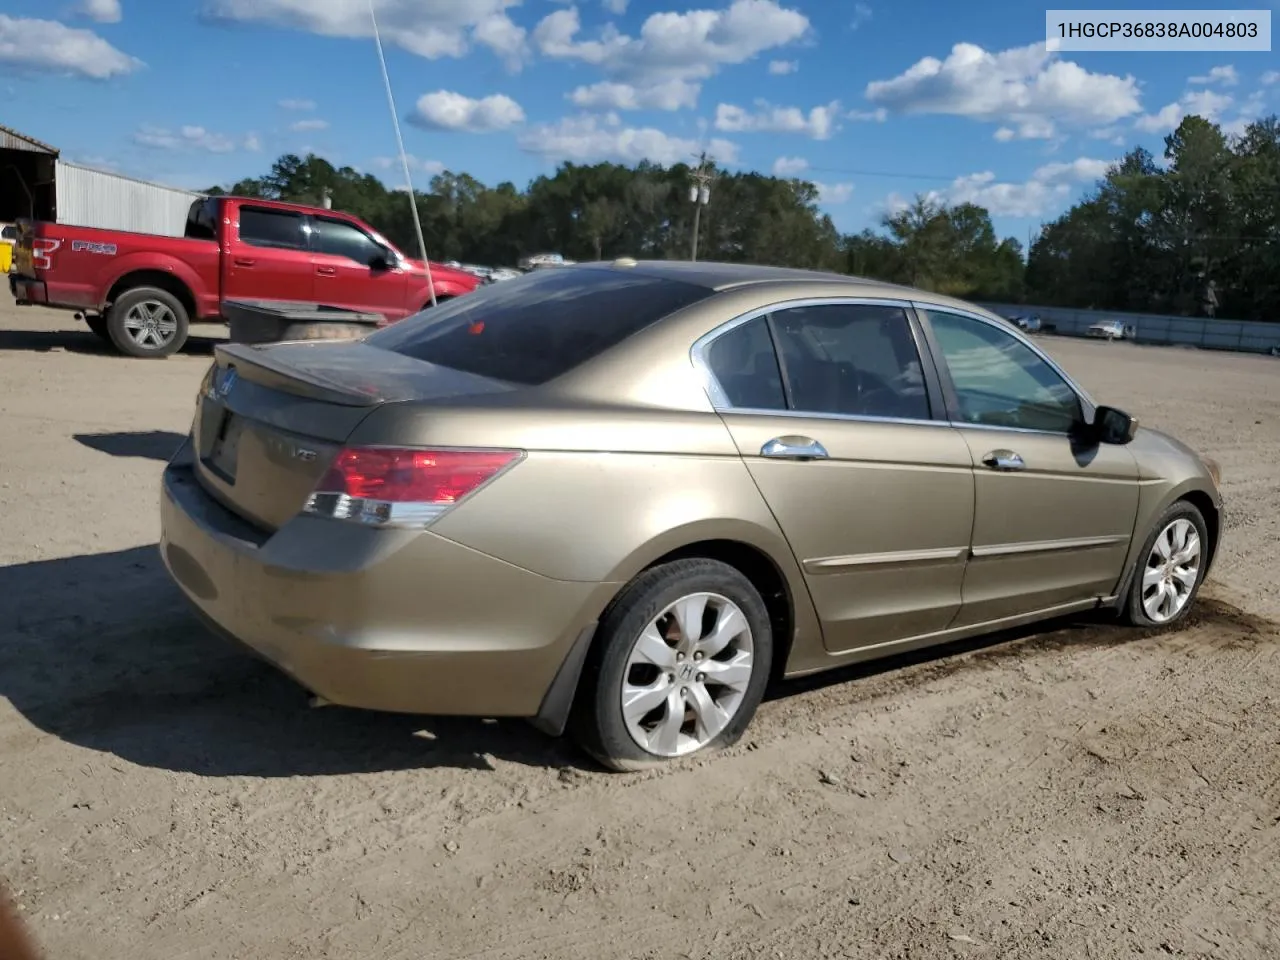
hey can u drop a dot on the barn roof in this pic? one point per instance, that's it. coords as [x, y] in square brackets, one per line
[11, 139]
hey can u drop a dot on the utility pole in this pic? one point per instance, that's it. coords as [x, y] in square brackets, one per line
[699, 196]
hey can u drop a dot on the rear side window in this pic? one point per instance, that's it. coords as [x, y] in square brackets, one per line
[272, 228]
[202, 220]
[745, 365]
[535, 328]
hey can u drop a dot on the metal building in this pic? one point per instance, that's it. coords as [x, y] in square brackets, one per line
[36, 183]
[97, 198]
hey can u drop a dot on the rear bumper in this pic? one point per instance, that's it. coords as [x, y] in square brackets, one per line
[404, 621]
[27, 291]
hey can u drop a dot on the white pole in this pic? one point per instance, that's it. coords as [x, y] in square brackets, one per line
[404, 157]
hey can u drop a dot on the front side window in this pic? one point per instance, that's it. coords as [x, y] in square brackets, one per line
[852, 359]
[343, 240]
[278, 229]
[745, 365]
[1000, 381]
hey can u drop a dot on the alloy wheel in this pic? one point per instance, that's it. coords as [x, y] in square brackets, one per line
[687, 674]
[1172, 571]
[150, 324]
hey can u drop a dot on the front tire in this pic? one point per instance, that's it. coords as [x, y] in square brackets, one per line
[679, 666]
[1170, 568]
[148, 322]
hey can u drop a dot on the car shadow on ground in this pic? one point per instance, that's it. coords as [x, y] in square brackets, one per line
[146, 444]
[86, 342]
[102, 652]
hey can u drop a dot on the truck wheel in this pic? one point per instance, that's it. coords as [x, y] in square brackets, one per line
[147, 322]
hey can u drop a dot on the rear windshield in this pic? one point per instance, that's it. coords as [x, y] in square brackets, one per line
[539, 326]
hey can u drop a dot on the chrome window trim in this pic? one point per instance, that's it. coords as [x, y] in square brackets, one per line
[1088, 405]
[720, 402]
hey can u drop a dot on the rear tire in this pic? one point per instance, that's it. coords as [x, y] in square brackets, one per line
[148, 323]
[679, 665]
[1171, 565]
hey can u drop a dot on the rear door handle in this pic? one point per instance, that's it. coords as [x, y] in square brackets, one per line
[794, 448]
[1005, 460]
[326, 271]
[243, 262]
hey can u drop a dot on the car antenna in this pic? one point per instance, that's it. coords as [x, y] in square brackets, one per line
[404, 157]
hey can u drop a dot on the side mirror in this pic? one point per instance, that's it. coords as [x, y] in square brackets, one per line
[1114, 426]
[380, 261]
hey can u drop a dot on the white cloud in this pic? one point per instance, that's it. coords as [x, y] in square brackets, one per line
[1202, 103]
[687, 46]
[503, 37]
[832, 193]
[51, 47]
[299, 105]
[789, 166]
[446, 110]
[416, 165]
[861, 14]
[1049, 188]
[587, 138]
[1027, 90]
[193, 138]
[306, 126]
[667, 95]
[780, 68]
[879, 115]
[819, 123]
[1270, 77]
[426, 28]
[616, 7]
[101, 11]
[1226, 76]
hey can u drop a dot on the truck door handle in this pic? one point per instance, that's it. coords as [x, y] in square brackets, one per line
[794, 448]
[243, 262]
[326, 271]
[1005, 460]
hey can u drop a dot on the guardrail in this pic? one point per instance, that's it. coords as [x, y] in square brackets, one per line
[1241, 335]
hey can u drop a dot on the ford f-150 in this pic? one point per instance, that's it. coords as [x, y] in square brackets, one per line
[140, 292]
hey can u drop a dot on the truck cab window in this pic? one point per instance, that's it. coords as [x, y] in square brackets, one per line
[279, 229]
[341, 239]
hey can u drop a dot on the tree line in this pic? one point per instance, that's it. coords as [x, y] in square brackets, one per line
[1195, 233]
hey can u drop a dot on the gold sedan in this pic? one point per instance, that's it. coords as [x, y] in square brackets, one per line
[618, 498]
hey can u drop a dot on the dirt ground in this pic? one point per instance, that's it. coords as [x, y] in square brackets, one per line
[1080, 793]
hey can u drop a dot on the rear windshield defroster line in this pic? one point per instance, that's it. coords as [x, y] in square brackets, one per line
[540, 326]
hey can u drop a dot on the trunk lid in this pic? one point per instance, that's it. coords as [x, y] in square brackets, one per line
[270, 419]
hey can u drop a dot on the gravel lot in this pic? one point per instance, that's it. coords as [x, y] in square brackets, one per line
[1080, 793]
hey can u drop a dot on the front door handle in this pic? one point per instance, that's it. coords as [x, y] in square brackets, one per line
[1003, 460]
[243, 262]
[326, 271]
[794, 448]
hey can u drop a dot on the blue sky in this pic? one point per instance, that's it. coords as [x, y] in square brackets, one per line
[874, 101]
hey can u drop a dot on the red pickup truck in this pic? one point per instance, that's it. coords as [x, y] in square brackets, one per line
[140, 292]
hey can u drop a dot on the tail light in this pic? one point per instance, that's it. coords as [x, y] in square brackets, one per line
[392, 486]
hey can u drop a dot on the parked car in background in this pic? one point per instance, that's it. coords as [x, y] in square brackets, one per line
[1110, 330]
[540, 261]
[141, 291]
[1028, 323]
[620, 497]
